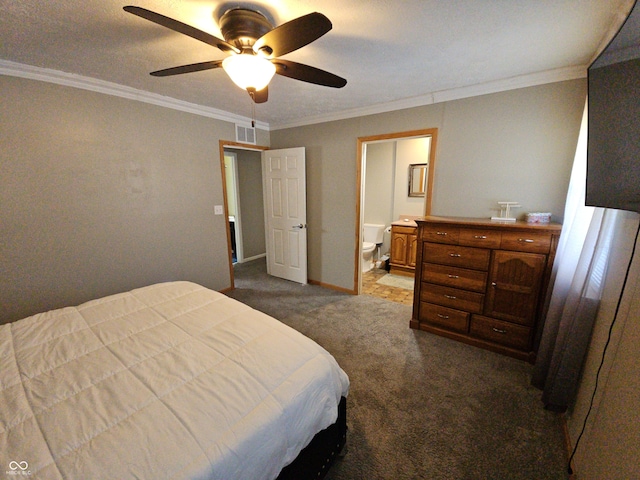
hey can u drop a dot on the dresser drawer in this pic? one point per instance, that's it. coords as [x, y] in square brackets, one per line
[464, 278]
[466, 257]
[451, 297]
[504, 333]
[526, 242]
[444, 317]
[440, 234]
[473, 237]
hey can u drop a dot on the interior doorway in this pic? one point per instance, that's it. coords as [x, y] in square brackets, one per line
[401, 179]
[242, 184]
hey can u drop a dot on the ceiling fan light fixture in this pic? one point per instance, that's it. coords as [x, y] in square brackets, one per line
[249, 71]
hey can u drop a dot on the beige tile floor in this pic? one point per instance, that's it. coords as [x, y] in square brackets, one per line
[394, 294]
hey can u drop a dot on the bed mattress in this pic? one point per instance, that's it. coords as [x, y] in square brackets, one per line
[168, 381]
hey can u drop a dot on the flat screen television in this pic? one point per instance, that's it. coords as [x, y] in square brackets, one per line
[613, 142]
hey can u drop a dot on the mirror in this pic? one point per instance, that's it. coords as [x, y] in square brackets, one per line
[417, 179]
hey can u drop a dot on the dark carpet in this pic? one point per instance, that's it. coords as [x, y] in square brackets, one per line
[420, 406]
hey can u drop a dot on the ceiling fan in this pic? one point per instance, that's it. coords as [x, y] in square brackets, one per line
[254, 46]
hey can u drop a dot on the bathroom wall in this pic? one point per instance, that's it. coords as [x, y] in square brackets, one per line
[379, 179]
[413, 150]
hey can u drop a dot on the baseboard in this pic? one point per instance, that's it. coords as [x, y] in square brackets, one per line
[332, 287]
[255, 257]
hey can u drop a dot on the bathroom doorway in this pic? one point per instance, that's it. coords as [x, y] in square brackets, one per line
[387, 165]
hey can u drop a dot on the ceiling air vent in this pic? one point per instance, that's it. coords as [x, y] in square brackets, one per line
[245, 134]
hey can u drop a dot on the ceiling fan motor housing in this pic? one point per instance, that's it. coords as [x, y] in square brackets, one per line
[242, 27]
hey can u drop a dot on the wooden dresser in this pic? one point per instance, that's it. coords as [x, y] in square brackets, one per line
[483, 282]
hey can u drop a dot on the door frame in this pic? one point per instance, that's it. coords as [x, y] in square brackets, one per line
[240, 146]
[361, 143]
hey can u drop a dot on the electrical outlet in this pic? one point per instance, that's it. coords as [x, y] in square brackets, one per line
[218, 209]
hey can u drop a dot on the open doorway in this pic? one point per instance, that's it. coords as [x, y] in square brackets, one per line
[243, 201]
[390, 166]
[278, 225]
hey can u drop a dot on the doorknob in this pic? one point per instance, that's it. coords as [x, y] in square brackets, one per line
[300, 225]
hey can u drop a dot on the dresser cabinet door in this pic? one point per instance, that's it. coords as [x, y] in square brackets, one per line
[514, 284]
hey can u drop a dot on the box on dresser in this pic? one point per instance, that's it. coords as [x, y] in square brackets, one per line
[483, 282]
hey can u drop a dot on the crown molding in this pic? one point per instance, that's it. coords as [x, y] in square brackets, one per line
[108, 88]
[522, 81]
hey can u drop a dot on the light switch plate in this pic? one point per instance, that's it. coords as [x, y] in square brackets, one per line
[218, 210]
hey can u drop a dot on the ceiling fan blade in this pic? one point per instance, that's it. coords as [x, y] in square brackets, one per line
[194, 67]
[180, 27]
[292, 35]
[259, 96]
[308, 74]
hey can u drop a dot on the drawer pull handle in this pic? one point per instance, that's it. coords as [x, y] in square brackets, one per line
[497, 330]
[480, 237]
[444, 234]
[446, 317]
[453, 276]
[455, 255]
[450, 297]
[525, 240]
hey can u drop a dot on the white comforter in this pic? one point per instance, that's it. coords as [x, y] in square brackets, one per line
[167, 381]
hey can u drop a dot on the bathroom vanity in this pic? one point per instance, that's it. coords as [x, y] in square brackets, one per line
[483, 282]
[403, 251]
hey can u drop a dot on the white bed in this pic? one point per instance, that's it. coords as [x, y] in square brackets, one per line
[168, 381]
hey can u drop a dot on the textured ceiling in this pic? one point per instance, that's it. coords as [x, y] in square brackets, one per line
[392, 53]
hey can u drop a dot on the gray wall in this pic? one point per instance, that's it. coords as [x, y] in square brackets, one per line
[251, 203]
[516, 145]
[100, 194]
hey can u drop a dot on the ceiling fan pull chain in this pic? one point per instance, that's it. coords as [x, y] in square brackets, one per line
[253, 114]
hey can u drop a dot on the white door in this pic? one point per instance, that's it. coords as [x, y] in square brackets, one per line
[285, 204]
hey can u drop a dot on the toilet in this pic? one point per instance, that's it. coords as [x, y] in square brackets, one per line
[373, 236]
